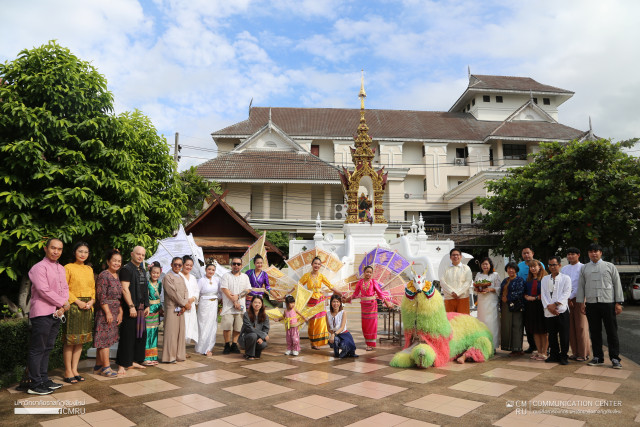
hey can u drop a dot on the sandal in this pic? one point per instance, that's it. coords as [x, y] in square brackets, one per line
[70, 380]
[108, 372]
[541, 357]
[369, 349]
[79, 378]
[581, 359]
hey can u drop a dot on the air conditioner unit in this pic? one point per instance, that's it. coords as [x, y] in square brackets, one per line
[407, 195]
[340, 211]
[460, 161]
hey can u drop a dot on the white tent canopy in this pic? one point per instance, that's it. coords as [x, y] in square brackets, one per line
[182, 245]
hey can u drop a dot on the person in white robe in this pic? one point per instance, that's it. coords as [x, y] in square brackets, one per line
[488, 298]
[208, 310]
[190, 316]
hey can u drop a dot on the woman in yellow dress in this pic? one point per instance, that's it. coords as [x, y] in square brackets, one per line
[79, 326]
[313, 281]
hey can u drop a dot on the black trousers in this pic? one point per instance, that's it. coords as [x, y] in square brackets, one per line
[251, 346]
[130, 348]
[558, 327]
[44, 330]
[597, 314]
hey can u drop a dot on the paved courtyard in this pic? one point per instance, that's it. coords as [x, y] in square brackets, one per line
[315, 389]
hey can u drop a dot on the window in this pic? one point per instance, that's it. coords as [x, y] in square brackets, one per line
[462, 153]
[535, 100]
[473, 101]
[424, 184]
[236, 144]
[498, 98]
[546, 101]
[315, 150]
[424, 153]
[271, 144]
[486, 98]
[468, 107]
[514, 151]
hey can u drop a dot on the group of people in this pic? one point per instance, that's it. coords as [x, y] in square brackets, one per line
[564, 308]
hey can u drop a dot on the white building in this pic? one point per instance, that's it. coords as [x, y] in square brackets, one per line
[280, 165]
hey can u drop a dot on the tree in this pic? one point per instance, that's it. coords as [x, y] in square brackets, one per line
[570, 195]
[71, 169]
[196, 190]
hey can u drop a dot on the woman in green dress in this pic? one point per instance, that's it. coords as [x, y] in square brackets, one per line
[153, 319]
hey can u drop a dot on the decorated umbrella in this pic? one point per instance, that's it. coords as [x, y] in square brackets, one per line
[301, 263]
[256, 249]
[388, 269]
[280, 283]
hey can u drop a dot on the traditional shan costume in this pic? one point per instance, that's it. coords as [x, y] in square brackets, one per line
[260, 280]
[153, 321]
[318, 333]
[369, 293]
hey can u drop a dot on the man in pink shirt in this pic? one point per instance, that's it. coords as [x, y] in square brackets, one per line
[49, 295]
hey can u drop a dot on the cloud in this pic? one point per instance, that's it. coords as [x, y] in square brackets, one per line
[193, 66]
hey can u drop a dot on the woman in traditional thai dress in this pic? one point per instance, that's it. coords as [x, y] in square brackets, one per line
[108, 314]
[153, 319]
[534, 319]
[313, 281]
[487, 286]
[190, 316]
[79, 326]
[511, 311]
[369, 291]
[208, 310]
[258, 279]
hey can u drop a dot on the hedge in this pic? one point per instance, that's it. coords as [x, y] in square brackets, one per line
[14, 336]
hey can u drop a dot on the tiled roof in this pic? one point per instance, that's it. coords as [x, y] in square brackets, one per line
[537, 130]
[268, 165]
[511, 83]
[391, 124]
[343, 122]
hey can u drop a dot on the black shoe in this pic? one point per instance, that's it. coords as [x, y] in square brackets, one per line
[596, 361]
[40, 390]
[530, 350]
[53, 386]
[564, 361]
[552, 360]
[615, 364]
[227, 348]
[234, 348]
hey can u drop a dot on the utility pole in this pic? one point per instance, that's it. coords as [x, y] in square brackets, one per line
[176, 150]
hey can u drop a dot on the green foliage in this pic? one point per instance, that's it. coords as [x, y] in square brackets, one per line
[196, 189]
[14, 335]
[280, 239]
[570, 195]
[71, 169]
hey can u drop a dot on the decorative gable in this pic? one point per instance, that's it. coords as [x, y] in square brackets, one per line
[269, 138]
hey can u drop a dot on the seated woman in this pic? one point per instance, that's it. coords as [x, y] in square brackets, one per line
[255, 329]
[339, 339]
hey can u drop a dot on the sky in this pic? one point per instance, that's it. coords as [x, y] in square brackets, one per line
[193, 66]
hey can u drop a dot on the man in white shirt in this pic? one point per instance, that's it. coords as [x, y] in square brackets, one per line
[578, 326]
[233, 286]
[456, 284]
[556, 289]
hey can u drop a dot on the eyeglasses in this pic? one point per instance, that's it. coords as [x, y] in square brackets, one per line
[236, 263]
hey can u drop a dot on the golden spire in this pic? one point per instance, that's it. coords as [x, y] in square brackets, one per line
[362, 95]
